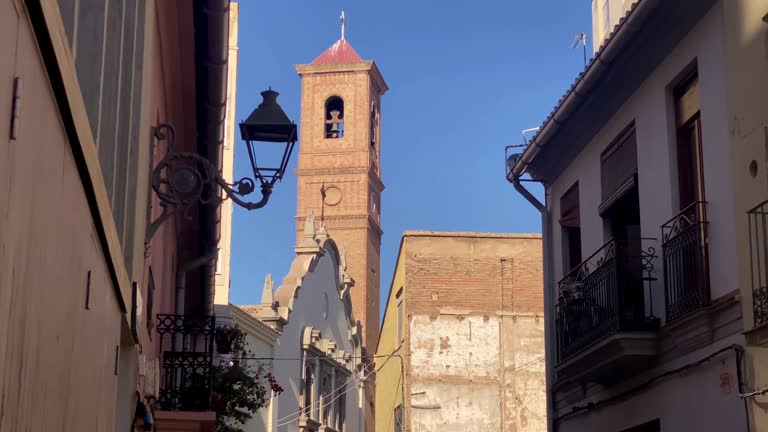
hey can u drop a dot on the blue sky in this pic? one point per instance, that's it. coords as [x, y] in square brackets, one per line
[465, 78]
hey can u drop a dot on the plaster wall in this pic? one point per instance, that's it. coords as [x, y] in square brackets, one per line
[57, 352]
[318, 288]
[702, 399]
[746, 40]
[652, 110]
[694, 400]
[260, 340]
[480, 373]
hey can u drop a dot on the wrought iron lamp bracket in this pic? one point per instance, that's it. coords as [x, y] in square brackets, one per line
[182, 179]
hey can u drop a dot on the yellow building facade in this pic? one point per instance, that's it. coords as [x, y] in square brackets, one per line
[228, 163]
[390, 376]
[605, 15]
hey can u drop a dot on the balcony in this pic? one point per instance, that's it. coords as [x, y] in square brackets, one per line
[603, 333]
[186, 344]
[758, 261]
[686, 272]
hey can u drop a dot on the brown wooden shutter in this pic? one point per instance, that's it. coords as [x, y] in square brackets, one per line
[569, 207]
[618, 165]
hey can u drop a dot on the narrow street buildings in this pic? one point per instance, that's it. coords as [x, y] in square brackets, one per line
[654, 167]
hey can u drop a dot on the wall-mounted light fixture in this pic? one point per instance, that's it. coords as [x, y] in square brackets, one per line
[182, 179]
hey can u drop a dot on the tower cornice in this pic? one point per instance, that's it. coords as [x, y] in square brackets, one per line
[368, 66]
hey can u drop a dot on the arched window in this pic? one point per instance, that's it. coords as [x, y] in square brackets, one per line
[334, 117]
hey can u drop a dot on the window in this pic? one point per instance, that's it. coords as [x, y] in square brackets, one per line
[374, 203]
[690, 173]
[308, 383]
[342, 417]
[570, 223]
[334, 117]
[341, 402]
[150, 302]
[399, 418]
[606, 17]
[399, 299]
[326, 398]
[620, 211]
[373, 124]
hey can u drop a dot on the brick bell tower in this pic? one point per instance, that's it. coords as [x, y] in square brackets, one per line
[339, 173]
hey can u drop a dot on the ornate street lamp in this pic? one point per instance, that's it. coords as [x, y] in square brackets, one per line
[268, 124]
[183, 178]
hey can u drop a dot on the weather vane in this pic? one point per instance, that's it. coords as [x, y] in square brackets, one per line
[343, 24]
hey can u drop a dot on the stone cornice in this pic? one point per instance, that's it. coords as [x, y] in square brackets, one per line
[365, 66]
[371, 222]
[314, 69]
[372, 176]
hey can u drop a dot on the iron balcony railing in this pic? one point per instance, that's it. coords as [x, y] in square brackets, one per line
[686, 265]
[758, 261]
[186, 345]
[602, 296]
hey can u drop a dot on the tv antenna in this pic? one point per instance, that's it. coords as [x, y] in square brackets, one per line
[581, 38]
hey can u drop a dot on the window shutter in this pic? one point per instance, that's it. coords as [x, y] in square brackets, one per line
[618, 164]
[569, 208]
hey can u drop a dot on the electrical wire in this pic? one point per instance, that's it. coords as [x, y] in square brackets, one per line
[594, 405]
[368, 357]
[399, 381]
[298, 413]
[760, 392]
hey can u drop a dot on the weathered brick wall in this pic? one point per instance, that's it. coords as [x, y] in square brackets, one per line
[475, 333]
[473, 273]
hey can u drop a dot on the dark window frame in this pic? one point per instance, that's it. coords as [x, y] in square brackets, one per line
[570, 224]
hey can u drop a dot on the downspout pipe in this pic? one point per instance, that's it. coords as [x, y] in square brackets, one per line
[528, 195]
[212, 52]
[181, 277]
[181, 288]
[549, 335]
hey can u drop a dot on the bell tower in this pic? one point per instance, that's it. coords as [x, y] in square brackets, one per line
[339, 173]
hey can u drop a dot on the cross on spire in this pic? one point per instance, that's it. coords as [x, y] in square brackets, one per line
[343, 24]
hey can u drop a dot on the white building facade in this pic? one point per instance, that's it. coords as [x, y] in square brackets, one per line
[643, 296]
[317, 356]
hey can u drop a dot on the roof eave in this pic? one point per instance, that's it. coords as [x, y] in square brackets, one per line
[596, 69]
